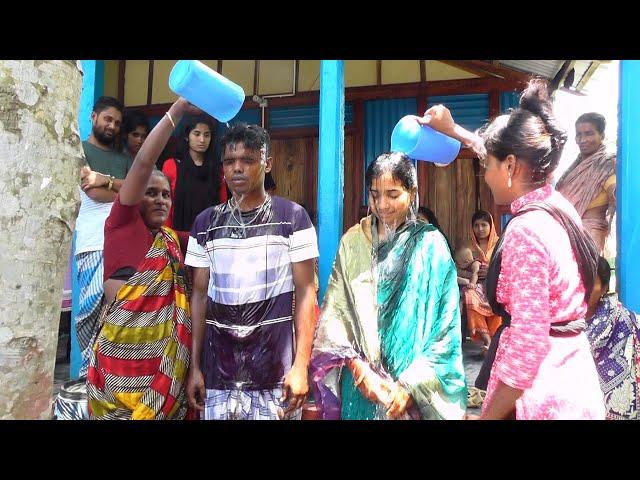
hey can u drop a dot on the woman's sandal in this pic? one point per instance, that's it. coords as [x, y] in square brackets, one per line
[475, 397]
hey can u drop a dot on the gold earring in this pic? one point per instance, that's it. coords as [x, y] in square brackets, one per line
[509, 181]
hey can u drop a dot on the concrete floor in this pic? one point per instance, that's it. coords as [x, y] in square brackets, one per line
[472, 358]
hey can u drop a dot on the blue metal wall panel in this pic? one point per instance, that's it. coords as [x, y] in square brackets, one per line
[249, 115]
[302, 116]
[470, 111]
[509, 100]
[380, 116]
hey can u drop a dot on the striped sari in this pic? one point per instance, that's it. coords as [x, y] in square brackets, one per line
[139, 362]
[90, 282]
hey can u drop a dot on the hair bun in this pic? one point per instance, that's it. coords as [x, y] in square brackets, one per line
[535, 97]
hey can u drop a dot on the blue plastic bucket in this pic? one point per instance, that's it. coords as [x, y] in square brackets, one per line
[206, 89]
[422, 142]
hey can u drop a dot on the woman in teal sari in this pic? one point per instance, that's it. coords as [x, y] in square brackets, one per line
[388, 341]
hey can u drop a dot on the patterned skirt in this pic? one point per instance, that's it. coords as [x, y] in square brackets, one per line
[90, 282]
[238, 404]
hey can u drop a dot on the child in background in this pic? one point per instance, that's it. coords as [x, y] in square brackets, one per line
[467, 268]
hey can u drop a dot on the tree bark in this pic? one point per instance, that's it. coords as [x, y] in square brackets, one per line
[40, 158]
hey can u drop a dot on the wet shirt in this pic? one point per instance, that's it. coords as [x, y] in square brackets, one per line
[249, 324]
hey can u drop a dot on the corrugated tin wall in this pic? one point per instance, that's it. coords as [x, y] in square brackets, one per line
[302, 116]
[470, 111]
[380, 116]
[249, 115]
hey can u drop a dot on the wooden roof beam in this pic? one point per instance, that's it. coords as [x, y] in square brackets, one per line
[464, 65]
[562, 73]
[588, 74]
[484, 69]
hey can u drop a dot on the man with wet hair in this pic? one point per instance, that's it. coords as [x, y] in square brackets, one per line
[102, 177]
[250, 255]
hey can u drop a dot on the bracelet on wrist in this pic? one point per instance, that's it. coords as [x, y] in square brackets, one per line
[168, 115]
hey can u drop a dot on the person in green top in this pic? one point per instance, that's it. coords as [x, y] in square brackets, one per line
[102, 177]
[106, 168]
[388, 342]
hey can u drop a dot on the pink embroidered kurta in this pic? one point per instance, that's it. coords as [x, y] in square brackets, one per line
[539, 284]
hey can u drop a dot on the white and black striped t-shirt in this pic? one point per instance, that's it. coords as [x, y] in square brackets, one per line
[249, 334]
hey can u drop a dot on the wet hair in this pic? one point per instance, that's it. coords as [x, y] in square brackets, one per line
[400, 167]
[529, 132]
[481, 215]
[254, 137]
[106, 102]
[133, 119]
[604, 272]
[594, 119]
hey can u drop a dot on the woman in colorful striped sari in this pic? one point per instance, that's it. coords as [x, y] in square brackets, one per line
[388, 341]
[139, 361]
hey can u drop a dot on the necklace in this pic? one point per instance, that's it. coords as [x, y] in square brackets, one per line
[235, 206]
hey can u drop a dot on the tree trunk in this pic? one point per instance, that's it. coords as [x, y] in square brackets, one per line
[40, 156]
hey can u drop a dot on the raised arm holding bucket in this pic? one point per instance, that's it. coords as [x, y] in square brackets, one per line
[421, 142]
[438, 118]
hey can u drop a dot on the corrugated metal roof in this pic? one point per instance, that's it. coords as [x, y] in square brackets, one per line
[607, 73]
[549, 68]
[544, 68]
[580, 68]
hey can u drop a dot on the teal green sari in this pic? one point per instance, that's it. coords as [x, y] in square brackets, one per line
[404, 321]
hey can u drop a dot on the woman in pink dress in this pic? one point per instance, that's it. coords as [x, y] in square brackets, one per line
[541, 272]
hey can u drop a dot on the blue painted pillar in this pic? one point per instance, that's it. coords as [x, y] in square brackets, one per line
[628, 184]
[330, 166]
[92, 88]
